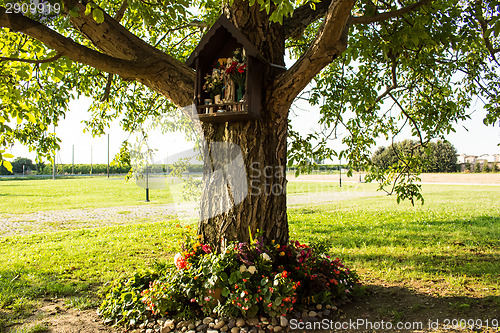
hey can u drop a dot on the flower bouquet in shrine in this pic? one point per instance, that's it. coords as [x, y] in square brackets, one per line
[236, 68]
[214, 83]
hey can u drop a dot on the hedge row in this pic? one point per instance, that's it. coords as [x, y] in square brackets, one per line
[84, 169]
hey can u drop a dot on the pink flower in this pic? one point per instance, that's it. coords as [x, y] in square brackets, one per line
[206, 248]
[207, 298]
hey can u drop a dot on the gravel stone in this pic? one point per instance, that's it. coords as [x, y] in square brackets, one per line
[253, 321]
[283, 321]
[231, 323]
[313, 314]
[224, 328]
[202, 327]
[235, 330]
[208, 320]
[319, 306]
[219, 324]
[277, 329]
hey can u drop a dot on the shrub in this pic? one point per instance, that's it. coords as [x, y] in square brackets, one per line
[122, 304]
[245, 279]
[477, 167]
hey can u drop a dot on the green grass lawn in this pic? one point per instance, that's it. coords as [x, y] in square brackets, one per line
[32, 195]
[454, 237]
[452, 241]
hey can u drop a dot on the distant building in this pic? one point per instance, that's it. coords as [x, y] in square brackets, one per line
[469, 161]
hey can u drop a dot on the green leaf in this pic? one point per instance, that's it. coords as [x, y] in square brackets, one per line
[98, 15]
[7, 165]
[88, 8]
[31, 118]
[74, 12]
[225, 292]
[8, 155]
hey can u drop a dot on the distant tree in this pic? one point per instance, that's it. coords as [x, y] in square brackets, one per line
[477, 167]
[4, 171]
[495, 167]
[440, 156]
[384, 157]
[17, 165]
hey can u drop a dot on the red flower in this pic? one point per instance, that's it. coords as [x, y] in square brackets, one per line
[206, 248]
[241, 69]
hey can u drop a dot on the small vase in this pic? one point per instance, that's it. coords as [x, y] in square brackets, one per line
[208, 101]
[217, 99]
[240, 93]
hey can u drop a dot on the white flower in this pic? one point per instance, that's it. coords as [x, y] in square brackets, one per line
[177, 257]
[242, 294]
[252, 269]
[265, 256]
[243, 268]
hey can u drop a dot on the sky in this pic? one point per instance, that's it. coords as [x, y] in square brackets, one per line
[477, 139]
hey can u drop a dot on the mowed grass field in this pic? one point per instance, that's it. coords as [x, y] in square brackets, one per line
[450, 245]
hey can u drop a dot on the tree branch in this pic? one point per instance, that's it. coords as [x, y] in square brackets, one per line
[121, 11]
[33, 61]
[366, 19]
[295, 25]
[330, 41]
[478, 8]
[118, 16]
[170, 77]
[70, 48]
[150, 66]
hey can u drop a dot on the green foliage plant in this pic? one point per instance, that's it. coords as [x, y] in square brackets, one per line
[243, 280]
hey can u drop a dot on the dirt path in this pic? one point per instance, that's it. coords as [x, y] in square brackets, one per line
[429, 178]
[70, 219]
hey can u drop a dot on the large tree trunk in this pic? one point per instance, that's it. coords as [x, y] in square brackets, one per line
[251, 192]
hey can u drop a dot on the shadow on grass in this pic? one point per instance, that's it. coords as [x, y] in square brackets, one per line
[462, 252]
[397, 304]
[31, 285]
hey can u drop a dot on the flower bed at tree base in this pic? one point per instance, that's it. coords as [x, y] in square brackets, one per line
[246, 281]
